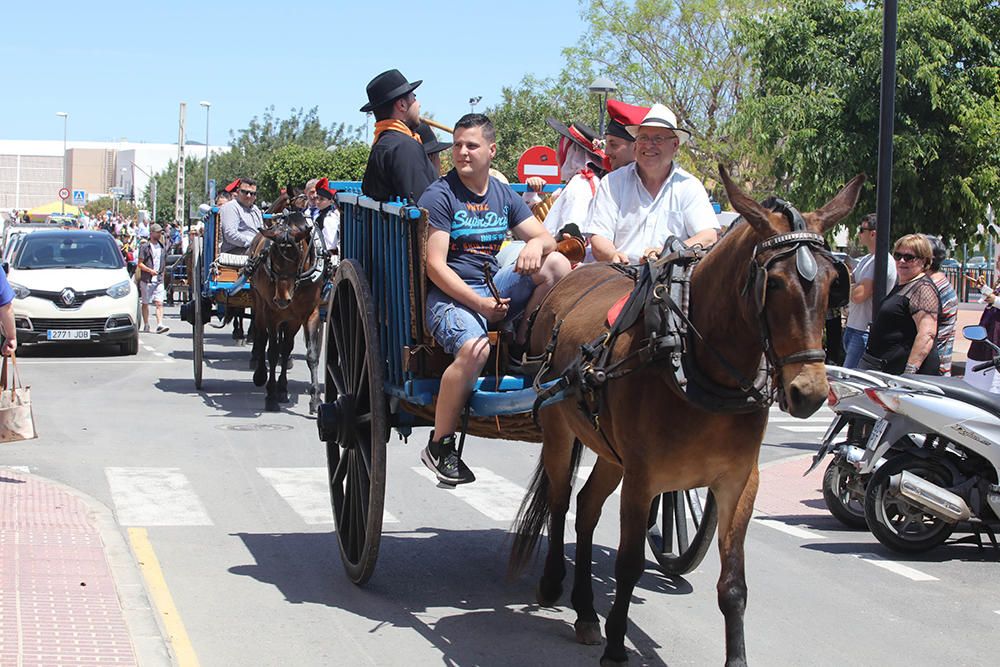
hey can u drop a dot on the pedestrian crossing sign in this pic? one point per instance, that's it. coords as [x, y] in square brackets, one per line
[79, 197]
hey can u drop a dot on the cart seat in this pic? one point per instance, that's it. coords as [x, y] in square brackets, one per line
[229, 259]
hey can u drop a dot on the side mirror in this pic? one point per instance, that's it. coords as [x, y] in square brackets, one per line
[6, 267]
[974, 332]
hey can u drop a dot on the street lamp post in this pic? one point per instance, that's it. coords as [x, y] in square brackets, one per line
[152, 185]
[602, 87]
[65, 117]
[473, 101]
[208, 108]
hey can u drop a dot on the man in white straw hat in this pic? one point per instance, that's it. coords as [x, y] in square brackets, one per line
[637, 207]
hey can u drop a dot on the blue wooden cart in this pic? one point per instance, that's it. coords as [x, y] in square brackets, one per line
[214, 281]
[382, 372]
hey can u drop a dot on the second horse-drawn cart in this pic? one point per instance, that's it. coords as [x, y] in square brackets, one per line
[383, 371]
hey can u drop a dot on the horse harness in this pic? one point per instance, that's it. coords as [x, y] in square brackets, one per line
[315, 249]
[661, 296]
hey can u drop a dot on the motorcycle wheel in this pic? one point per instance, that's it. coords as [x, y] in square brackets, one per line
[844, 494]
[898, 523]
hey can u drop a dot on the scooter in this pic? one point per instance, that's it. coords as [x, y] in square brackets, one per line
[843, 485]
[944, 481]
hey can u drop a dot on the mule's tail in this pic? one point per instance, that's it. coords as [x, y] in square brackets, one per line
[533, 515]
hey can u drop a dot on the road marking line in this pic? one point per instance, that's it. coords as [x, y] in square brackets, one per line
[307, 491]
[92, 362]
[803, 429]
[893, 566]
[495, 496]
[150, 348]
[997, 611]
[156, 584]
[155, 497]
[794, 531]
[25, 469]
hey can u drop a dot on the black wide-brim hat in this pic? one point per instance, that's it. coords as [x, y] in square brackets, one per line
[386, 87]
[581, 135]
[430, 141]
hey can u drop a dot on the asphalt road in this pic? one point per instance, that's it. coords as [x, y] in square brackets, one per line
[236, 508]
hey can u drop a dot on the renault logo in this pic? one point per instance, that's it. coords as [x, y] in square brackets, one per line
[68, 296]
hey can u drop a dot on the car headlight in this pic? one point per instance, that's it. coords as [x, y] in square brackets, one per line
[119, 290]
[20, 291]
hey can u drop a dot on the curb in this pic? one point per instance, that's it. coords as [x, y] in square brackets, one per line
[148, 638]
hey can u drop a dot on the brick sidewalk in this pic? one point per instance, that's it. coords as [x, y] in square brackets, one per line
[58, 601]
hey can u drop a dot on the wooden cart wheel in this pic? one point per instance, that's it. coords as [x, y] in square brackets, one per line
[680, 529]
[198, 337]
[352, 420]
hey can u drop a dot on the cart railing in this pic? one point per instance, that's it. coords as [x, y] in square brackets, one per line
[381, 236]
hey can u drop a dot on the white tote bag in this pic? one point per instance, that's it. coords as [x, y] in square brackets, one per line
[16, 420]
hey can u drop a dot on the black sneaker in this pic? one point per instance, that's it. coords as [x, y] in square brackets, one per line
[441, 457]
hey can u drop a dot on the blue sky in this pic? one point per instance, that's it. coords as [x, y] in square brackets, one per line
[121, 68]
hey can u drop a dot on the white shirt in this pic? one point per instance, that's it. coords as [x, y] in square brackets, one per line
[572, 205]
[859, 315]
[624, 212]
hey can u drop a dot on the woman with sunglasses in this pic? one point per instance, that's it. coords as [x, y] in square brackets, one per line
[904, 330]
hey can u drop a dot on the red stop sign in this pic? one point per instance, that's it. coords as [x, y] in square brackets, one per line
[539, 161]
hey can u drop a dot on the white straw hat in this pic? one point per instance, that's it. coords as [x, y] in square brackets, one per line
[661, 116]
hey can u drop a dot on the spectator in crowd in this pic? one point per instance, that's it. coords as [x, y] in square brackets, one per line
[152, 267]
[639, 206]
[859, 311]
[903, 331]
[979, 351]
[397, 165]
[469, 213]
[7, 316]
[948, 315]
[240, 219]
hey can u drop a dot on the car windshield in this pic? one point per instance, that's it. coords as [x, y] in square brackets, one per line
[76, 251]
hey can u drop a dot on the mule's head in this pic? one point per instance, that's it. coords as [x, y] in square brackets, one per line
[284, 260]
[790, 286]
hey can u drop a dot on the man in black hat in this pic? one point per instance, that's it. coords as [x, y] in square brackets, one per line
[397, 165]
[432, 146]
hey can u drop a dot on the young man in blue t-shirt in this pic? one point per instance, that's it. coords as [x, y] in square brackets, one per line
[469, 213]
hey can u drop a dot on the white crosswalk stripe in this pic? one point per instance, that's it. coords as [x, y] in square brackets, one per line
[495, 496]
[816, 424]
[307, 492]
[155, 497]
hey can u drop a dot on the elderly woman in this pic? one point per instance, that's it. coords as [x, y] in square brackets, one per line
[903, 331]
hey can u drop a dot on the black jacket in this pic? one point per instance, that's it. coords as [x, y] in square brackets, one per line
[397, 167]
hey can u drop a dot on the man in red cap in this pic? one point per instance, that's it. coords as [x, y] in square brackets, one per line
[397, 165]
[328, 215]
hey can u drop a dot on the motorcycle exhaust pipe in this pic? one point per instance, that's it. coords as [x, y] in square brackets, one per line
[940, 502]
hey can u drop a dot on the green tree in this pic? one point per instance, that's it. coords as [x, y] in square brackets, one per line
[814, 111]
[681, 53]
[292, 165]
[99, 206]
[520, 117]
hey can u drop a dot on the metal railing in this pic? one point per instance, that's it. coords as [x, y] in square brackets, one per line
[963, 288]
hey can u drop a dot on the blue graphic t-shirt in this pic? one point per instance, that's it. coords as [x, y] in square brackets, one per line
[476, 224]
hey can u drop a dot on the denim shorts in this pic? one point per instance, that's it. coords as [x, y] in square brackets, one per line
[453, 325]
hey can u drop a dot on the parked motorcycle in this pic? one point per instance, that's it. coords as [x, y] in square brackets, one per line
[843, 485]
[944, 481]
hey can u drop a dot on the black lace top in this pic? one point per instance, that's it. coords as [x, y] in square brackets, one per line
[893, 330]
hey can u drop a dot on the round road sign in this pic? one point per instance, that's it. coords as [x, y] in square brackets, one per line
[539, 161]
[63, 193]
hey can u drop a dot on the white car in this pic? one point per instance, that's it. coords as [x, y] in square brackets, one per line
[73, 286]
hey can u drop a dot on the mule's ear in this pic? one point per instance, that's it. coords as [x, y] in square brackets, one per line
[835, 210]
[269, 232]
[758, 216]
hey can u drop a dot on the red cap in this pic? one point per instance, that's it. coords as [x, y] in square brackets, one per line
[232, 186]
[323, 188]
[626, 114]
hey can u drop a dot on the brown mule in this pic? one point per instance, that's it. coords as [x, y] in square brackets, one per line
[654, 440]
[283, 304]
